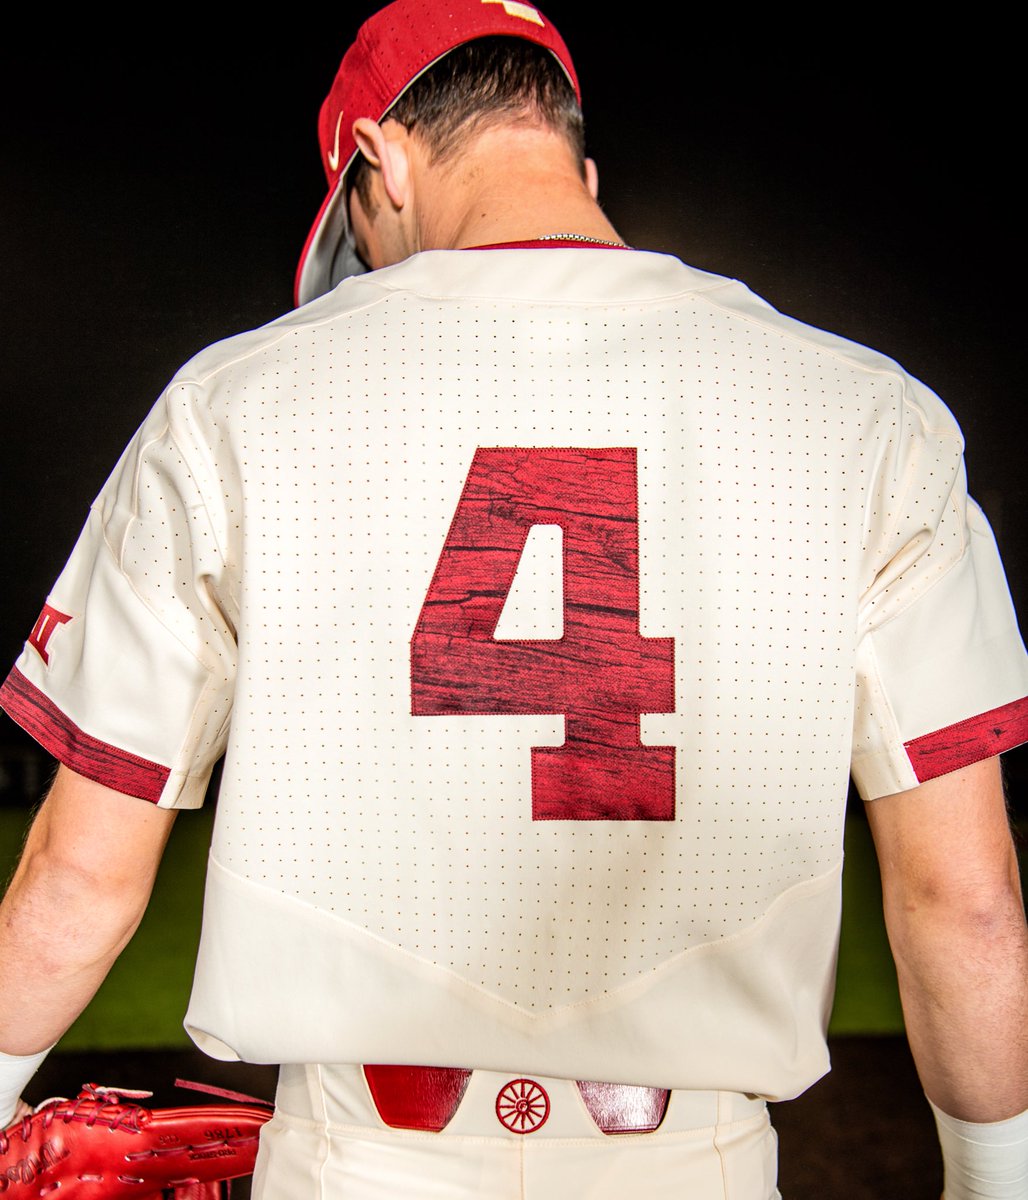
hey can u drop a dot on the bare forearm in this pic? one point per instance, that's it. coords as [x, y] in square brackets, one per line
[76, 898]
[957, 927]
[57, 943]
[963, 974]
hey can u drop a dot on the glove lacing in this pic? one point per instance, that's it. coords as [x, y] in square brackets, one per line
[94, 1105]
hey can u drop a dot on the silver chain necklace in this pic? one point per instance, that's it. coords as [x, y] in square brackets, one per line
[576, 237]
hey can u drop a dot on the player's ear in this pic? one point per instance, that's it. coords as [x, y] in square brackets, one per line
[592, 178]
[385, 149]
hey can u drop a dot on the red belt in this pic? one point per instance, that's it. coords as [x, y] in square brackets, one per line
[426, 1098]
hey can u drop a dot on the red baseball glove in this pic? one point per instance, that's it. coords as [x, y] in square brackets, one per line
[104, 1144]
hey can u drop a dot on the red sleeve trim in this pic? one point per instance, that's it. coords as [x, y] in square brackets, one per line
[970, 741]
[37, 714]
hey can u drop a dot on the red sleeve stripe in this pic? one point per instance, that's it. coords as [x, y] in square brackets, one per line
[970, 741]
[61, 737]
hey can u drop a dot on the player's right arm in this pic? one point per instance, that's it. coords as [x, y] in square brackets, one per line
[75, 900]
[956, 924]
[127, 679]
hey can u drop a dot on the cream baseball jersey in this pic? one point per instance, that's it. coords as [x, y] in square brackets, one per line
[542, 602]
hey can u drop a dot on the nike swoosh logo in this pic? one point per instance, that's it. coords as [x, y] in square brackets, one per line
[333, 154]
[513, 8]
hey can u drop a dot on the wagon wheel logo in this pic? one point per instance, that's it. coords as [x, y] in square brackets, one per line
[522, 1106]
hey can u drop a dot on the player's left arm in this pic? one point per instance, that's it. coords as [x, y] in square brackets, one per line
[956, 925]
[76, 897]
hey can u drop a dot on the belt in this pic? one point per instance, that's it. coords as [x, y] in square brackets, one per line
[426, 1099]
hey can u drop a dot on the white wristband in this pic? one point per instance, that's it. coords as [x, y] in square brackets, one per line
[987, 1160]
[15, 1072]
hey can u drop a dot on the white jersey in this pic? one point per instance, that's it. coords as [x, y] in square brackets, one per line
[543, 603]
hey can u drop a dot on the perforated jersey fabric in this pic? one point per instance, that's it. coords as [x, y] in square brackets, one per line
[543, 602]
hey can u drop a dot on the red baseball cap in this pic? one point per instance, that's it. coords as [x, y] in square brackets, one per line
[392, 49]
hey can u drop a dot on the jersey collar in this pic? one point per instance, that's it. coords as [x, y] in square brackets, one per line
[547, 244]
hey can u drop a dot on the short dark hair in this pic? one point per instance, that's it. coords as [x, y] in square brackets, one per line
[484, 82]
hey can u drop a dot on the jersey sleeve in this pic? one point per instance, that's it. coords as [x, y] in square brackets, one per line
[127, 676]
[942, 674]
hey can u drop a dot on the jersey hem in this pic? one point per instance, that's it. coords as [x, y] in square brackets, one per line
[354, 998]
[90, 757]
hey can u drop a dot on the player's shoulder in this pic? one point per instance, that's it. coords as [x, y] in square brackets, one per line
[222, 356]
[738, 302]
[571, 277]
[832, 355]
[842, 367]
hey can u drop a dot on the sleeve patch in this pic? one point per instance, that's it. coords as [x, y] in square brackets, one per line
[61, 737]
[49, 620]
[969, 741]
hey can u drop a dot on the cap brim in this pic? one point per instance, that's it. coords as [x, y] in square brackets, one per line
[329, 255]
[394, 48]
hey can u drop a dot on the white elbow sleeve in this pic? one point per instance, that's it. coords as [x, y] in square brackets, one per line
[984, 1161]
[15, 1072]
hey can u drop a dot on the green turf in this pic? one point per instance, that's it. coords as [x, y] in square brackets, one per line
[867, 995]
[142, 1003]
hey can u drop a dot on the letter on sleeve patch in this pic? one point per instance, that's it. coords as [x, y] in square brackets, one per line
[49, 620]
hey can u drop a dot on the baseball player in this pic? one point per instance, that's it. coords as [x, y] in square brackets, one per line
[542, 595]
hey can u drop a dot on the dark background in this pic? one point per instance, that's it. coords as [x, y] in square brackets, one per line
[158, 187]
[159, 181]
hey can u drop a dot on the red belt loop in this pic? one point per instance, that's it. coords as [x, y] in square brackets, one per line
[417, 1097]
[622, 1108]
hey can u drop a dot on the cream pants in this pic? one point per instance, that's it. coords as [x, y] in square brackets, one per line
[326, 1141]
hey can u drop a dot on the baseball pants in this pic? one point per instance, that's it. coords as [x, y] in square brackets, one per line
[510, 1138]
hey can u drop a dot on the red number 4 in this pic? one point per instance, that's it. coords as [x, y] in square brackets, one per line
[601, 674]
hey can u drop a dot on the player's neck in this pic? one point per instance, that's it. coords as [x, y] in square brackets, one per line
[513, 184]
